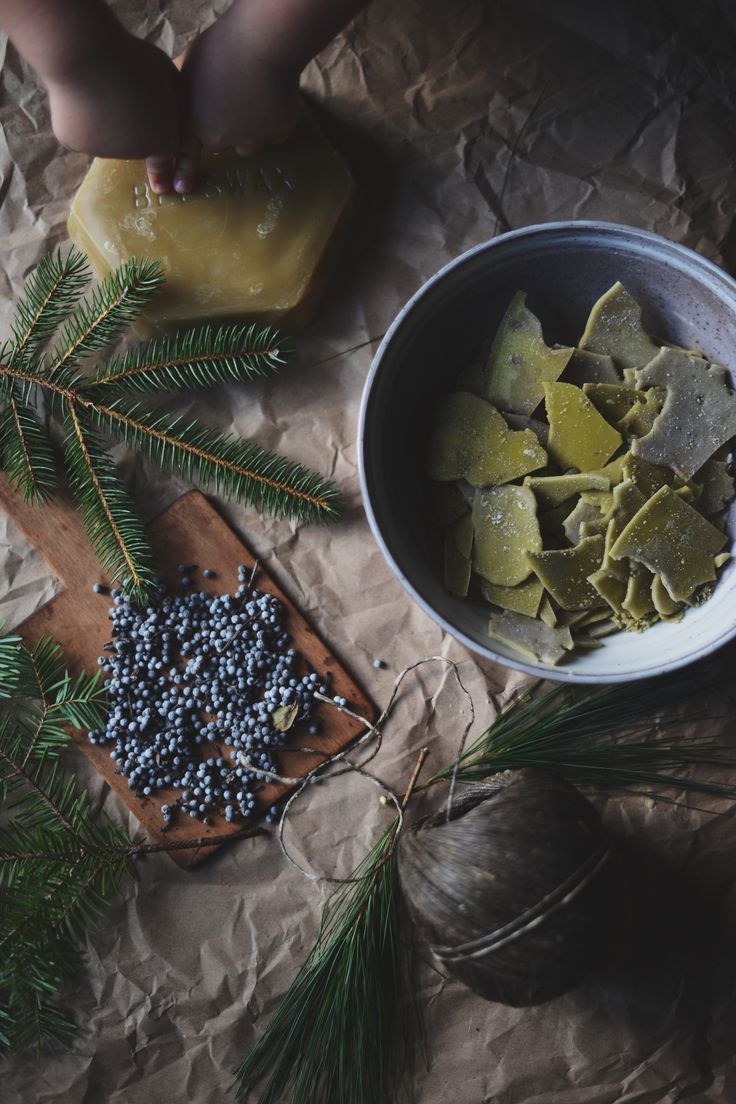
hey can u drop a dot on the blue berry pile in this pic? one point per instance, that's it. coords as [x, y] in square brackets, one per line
[190, 672]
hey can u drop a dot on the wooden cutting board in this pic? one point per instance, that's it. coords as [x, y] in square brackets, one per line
[190, 532]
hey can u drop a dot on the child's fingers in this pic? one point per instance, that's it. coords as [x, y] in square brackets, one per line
[160, 171]
[187, 163]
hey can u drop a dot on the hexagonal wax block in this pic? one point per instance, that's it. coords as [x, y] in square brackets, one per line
[253, 240]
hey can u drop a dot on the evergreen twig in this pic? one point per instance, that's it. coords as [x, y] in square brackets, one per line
[59, 865]
[342, 1032]
[107, 401]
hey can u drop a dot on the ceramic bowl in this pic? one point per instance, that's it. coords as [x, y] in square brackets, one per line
[564, 267]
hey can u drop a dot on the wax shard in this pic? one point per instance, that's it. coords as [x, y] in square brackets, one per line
[565, 573]
[586, 367]
[615, 329]
[524, 598]
[553, 490]
[717, 487]
[698, 416]
[673, 541]
[613, 400]
[448, 503]
[530, 637]
[506, 528]
[470, 440]
[519, 361]
[252, 240]
[586, 520]
[579, 437]
[458, 546]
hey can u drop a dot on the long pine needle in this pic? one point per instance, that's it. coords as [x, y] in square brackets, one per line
[343, 1033]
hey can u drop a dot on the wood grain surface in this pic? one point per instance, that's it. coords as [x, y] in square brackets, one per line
[192, 532]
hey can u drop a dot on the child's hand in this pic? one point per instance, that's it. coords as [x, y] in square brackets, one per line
[121, 103]
[234, 96]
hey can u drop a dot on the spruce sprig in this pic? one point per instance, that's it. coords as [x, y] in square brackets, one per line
[60, 865]
[628, 738]
[107, 400]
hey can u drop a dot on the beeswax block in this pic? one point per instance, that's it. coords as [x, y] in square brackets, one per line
[252, 240]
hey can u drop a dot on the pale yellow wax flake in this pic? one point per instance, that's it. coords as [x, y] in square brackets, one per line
[615, 329]
[506, 528]
[530, 636]
[674, 541]
[579, 437]
[698, 415]
[470, 440]
[524, 598]
[520, 362]
[565, 572]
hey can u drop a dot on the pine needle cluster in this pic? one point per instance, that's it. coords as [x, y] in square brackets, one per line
[342, 1032]
[56, 329]
[59, 866]
[355, 985]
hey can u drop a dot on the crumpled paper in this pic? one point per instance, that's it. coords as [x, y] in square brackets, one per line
[460, 120]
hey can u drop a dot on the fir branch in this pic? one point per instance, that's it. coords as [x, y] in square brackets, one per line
[12, 664]
[200, 358]
[51, 291]
[237, 468]
[112, 306]
[108, 514]
[344, 1029]
[25, 450]
[59, 865]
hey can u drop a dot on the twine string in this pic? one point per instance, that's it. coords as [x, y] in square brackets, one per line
[373, 732]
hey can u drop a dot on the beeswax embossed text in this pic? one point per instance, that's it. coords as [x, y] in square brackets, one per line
[235, 180]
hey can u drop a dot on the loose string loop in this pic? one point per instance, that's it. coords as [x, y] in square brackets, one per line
[373, 732]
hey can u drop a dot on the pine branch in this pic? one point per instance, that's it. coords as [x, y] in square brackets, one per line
[99, 320]
[237, 468]
[200, 358]
[108, 514]
[343, 1030]
[51, 291]
[570, 733]
[25, 450]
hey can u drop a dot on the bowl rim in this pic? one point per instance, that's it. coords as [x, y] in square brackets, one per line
[554, 674]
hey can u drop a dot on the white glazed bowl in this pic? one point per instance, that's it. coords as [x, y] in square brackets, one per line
[564, 267]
